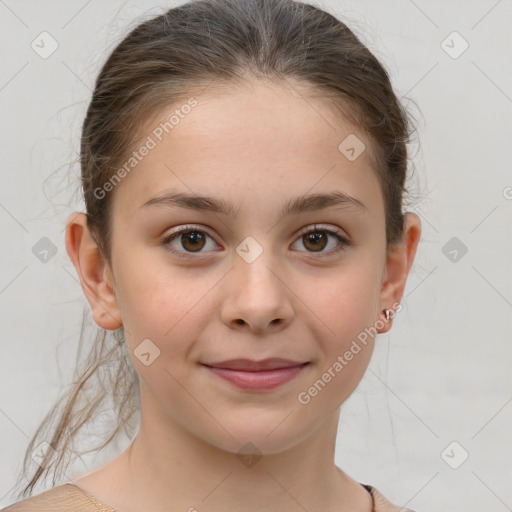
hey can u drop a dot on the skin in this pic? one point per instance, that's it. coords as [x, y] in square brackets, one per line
[290, 302]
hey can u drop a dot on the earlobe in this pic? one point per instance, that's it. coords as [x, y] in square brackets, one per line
[93, 271]
[398, 265]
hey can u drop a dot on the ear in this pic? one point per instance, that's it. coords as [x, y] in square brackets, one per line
[94, 272]
[398, 264]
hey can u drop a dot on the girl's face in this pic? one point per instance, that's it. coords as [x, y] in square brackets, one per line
[249, 282]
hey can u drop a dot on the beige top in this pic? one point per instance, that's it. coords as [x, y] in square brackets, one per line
[69, 497]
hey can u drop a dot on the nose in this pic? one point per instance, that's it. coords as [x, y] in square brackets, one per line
[258, 297]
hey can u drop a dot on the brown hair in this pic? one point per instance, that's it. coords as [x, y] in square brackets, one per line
[213, 43]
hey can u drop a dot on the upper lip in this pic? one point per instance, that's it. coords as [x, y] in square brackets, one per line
[250, 365]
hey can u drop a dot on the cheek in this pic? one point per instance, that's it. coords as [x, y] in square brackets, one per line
[346, 345]
[160, 299]
[344, 302]
[345, 314]
[168, 313]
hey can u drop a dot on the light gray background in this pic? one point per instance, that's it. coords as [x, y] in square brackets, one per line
[443, 372]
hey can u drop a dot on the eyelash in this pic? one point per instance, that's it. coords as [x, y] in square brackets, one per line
[192, 229]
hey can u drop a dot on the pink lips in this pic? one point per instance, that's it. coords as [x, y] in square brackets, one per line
[256, 375]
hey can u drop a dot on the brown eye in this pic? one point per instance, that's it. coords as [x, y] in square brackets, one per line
[192, 240]
[187, 241]
[316, 241]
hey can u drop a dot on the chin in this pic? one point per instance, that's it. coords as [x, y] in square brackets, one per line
[267, 435]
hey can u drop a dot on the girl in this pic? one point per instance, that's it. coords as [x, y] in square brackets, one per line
[243, 168]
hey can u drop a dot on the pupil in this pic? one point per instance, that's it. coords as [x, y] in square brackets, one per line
[314, 237]
[193, 237]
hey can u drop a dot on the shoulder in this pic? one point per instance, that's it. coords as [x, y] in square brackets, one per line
[63, 498]
[382, 504]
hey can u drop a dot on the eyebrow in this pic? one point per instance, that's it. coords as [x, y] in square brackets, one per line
[293, 206]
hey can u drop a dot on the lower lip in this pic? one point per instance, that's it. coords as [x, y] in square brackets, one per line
[258, 381]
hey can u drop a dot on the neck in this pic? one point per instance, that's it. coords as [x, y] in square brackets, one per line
[166, 464]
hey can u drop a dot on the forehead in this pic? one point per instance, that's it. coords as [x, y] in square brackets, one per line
[270, 137]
